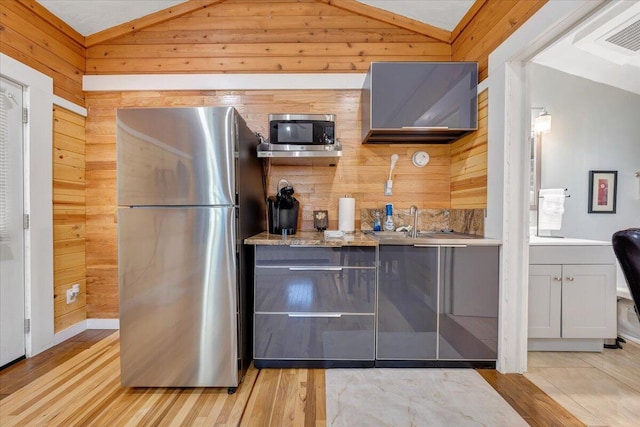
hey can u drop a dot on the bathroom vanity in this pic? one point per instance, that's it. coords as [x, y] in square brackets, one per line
[572, 294]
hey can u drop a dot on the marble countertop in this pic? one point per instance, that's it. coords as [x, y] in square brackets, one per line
[312, 238]
[565, 241]
[315, 238]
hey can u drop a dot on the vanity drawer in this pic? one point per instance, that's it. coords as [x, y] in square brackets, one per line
[315, 289]
[346, 256]
[324, 337]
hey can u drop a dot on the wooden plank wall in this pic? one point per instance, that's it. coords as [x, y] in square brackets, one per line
[257, 37]
[486, 26]
[32, 35]
[361, 172]
[250, 36]
[469, 163]
[69, 208]
[264, 37]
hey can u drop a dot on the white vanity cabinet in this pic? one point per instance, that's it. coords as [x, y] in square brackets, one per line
[572, 295]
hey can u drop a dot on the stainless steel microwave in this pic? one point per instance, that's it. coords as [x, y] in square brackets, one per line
[314, 131]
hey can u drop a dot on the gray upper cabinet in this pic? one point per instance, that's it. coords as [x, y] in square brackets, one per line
[419, 102]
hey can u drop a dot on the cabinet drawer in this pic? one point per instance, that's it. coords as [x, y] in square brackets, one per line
[313, 289]
[347, 256]
[282, 336]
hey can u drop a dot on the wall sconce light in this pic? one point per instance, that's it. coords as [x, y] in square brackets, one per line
[542, 123]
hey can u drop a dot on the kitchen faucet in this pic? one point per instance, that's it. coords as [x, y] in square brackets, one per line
[413, 210]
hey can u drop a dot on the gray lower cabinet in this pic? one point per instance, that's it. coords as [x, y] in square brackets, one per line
[314, 306]
[468, 310]
[316, 336]
[437, 303]
[407, 303]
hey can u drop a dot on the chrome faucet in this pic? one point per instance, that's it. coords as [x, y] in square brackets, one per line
[413, 210]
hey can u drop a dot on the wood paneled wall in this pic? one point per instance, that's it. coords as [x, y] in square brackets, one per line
[264, 37]
[361, 172]
[32, 35]
[487, 24]
[69, 220]
[469, 163]
[251, 36]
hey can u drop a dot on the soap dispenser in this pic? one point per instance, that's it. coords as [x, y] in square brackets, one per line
[376, 222]
[388, 222]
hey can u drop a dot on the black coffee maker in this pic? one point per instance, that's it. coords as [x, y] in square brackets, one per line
[283, 210]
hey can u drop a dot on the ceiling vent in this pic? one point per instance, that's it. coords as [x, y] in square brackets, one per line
[613, 34]
[627, 38]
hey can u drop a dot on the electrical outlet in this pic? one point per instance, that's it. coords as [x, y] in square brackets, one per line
[71, 296]
[388, 188]
[72, 293]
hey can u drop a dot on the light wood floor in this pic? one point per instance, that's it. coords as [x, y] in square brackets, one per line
[601, 389]
[78, 384]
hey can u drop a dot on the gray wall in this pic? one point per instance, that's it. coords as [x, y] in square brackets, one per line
[594, 127]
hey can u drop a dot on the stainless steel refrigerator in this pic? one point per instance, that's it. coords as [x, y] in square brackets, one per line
[189, 192]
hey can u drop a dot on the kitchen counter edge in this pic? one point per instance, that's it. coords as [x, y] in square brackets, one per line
[314, 238]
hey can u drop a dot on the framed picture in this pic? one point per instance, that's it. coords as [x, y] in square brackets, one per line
[602, 191]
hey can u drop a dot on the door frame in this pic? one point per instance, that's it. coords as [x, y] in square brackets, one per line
[38, 197]
[508, 166]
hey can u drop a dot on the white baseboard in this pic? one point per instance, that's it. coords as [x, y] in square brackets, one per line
[630, 338]
[82, 326]
[71, 331]
[103, 323]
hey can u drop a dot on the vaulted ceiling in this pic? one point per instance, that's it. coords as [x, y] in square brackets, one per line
[91, 16]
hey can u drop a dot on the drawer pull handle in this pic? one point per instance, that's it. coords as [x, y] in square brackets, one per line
[426, 246]
[569, 278]
[453, 246]
[333, 315]
[557, 279]
[315, 268]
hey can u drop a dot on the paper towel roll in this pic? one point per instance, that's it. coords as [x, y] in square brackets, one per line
[346, 214]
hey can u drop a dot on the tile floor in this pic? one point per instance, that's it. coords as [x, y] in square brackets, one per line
[601, 389]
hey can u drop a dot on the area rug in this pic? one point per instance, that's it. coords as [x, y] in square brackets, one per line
[414, 397]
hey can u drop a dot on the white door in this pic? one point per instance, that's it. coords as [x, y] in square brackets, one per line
[12, 284]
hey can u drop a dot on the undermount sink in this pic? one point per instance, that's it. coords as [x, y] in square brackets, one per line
[423, 237]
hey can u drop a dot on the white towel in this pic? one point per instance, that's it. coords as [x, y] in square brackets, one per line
[551, 209]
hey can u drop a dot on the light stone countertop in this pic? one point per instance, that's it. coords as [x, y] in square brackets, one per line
[315, 238]
[312, 238]
[565, 241]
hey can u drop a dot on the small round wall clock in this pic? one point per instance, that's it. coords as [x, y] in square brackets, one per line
[420, 159]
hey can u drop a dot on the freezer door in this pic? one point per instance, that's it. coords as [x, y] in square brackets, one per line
[176, 156]
[178, 297]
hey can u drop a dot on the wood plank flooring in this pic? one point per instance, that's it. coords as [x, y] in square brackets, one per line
[77, 383]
